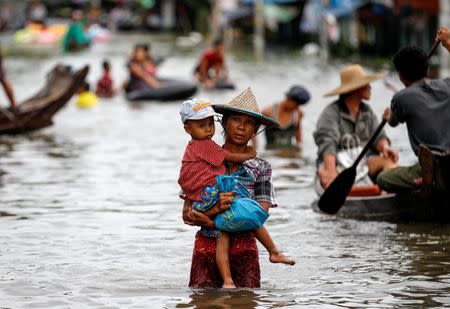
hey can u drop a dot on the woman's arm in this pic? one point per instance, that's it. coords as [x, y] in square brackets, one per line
[193, 217]
[149, 80]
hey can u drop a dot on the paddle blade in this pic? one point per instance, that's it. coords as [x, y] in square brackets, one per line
[334, 196]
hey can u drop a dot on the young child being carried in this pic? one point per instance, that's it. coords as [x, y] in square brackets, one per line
[202, 162]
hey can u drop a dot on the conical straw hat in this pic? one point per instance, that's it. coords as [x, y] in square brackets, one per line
[245, 103]
[352, 78]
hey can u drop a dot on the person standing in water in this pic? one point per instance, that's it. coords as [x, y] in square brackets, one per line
[105, 88]
[289, 114]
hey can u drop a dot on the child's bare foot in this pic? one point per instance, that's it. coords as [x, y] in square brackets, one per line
[228, 285]
[278, 257]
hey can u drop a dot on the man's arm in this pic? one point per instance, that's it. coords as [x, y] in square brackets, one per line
[389, 116]
[327, 171]
[443, 35]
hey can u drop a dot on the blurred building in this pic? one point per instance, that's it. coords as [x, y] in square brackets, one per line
[378, 27]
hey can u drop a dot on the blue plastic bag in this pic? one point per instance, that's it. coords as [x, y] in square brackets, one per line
[244, 213]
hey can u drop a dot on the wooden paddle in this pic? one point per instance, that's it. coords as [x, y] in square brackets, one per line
[334, 196]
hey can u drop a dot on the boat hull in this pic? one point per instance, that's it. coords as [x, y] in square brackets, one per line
[397, 208]
[37, 112]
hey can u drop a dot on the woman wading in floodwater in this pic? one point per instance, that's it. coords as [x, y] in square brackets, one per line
[241, 120]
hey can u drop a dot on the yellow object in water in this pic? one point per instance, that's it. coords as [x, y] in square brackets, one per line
[86, 99]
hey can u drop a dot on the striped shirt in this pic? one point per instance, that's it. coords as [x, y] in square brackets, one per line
[203, 160]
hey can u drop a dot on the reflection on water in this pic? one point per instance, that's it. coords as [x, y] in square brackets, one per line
[222, 299]
[103, 224]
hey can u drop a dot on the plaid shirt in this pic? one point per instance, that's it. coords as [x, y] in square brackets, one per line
[259, 173]
[260, 186]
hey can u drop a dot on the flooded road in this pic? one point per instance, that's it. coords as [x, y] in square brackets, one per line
[90, 218]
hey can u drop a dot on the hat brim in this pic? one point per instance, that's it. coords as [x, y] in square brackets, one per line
[343, 89]
[264, 120]
[202, 115]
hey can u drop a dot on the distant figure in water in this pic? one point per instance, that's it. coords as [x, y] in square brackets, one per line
[289, 114]
[75, 38]
[86, 98]
[105, 87]
[142, 70]
[211, 67]
[6, 85]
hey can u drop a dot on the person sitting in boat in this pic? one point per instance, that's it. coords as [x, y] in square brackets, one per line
[241, 120]
[75, 38]
[142, 70]
[203, 161]
[105, 88]
[347, 124]
[211, 67]
[289, 114]
[424, 105]
[7, 86]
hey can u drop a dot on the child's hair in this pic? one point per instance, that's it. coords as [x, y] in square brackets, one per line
[106, 65]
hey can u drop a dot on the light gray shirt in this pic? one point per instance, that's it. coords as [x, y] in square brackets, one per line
[425, 107]
[336, 121]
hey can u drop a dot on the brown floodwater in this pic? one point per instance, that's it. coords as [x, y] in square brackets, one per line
[90, 215]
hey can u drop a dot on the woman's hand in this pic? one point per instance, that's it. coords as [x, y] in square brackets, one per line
[225, 200]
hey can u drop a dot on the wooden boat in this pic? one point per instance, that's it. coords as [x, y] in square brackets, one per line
[429, 204]
[37, 112]
[397, 208]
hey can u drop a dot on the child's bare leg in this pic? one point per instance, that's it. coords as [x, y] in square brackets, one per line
[222, 260]
[275, 255]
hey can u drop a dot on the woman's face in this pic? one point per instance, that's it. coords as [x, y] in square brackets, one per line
[240, 128]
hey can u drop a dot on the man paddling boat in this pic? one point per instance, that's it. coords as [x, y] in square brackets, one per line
[424, 105]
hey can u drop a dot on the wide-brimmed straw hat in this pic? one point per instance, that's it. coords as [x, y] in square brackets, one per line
[245, 103]
[352, 78]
